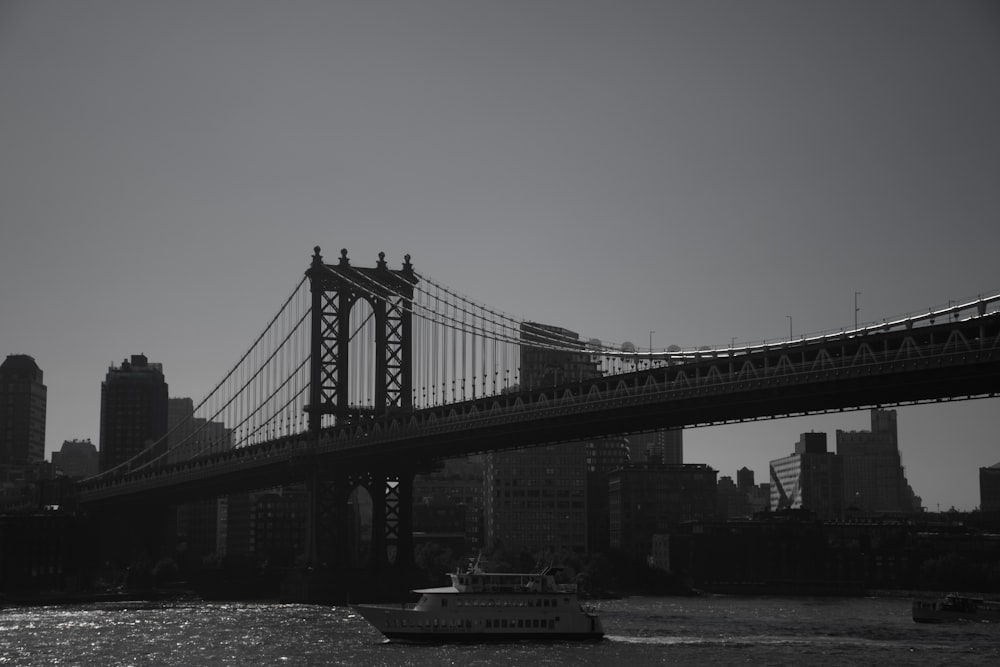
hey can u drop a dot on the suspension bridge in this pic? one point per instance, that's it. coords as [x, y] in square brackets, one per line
[366, 375]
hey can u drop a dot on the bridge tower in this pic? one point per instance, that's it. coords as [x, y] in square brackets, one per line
[336, 289]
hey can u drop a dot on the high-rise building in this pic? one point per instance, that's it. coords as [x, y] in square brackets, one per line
[202, 523]
[133, 410]
[665, 445]
[809, 479]
[536, 498]
[189, 436]
[874, 480]
[731, 500]
[22, 411]
[603, 456]
[269, 526]
[653, 498]
[989, 488]
[77, 459]
[454, 493]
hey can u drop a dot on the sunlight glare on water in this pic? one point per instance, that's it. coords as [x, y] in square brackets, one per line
[641, 631]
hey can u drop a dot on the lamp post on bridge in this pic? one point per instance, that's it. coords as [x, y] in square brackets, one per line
[789, 328]
[651, 348]
[856, 309]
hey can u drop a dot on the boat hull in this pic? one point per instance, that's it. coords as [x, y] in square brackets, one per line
[407, 624]
[482, 606]
[485, 637]
[954, 609]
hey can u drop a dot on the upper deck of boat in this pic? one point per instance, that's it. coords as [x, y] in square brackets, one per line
[477, 581]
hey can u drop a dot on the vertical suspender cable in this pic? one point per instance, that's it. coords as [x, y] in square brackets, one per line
[473, 346]
[454, 353]
[465, 337]
[482, 343]
[434, 343]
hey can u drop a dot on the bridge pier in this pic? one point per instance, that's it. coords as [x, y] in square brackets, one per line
[337, 568]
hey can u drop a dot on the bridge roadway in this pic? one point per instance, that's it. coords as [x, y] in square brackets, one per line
[878, 367]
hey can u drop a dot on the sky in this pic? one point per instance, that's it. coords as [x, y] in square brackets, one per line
[706, 171]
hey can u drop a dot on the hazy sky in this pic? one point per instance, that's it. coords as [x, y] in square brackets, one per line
[702, 170]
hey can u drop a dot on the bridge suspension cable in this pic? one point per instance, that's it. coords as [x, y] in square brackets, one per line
[461, 350]
[466, 349]
[261, 397]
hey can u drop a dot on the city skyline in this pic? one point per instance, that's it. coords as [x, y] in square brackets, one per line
[663, 173]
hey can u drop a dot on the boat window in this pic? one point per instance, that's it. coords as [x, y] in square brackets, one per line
[444, 602]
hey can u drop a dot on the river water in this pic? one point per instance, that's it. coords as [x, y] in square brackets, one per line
[714, 630]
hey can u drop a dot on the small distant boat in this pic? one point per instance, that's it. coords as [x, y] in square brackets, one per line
[955, 607]
[489, 606]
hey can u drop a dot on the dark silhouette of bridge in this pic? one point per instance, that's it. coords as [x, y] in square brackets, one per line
[394, 371]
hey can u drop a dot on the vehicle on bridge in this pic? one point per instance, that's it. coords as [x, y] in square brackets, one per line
[489, 606]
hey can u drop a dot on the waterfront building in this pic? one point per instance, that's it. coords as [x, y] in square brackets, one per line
[660, 446]
[731, 500]
[133, 410]
[759, 498]
[22, 418]
[810, 479]
[267, 527]
[603, 456]
[41, 551]
[989, 488]
[874, 480]
[793, 553]
[77, 459]
[442, 526]
[201, 523]
[189, 436]
[646, 499]
[279, 525]
[536, 498]
[450, 500]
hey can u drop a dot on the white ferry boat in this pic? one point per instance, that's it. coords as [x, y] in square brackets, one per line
[489, 606]
[956, 608]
